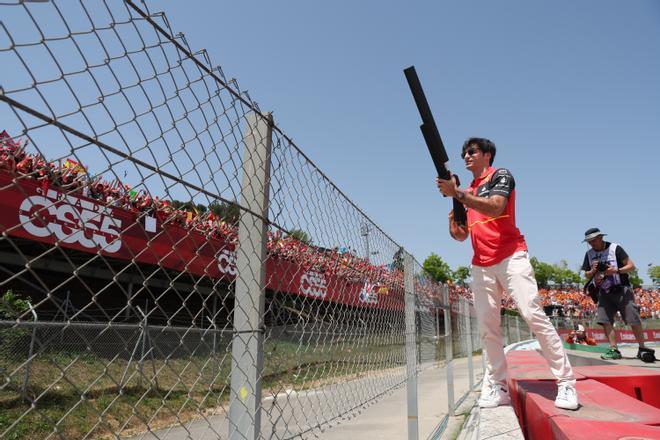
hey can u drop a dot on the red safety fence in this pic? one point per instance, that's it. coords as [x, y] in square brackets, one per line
[621, 335]
[82, 223]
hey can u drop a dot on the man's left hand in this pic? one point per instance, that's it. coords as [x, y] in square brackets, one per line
[447, 187]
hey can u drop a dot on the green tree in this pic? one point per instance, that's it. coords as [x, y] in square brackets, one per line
[576, 278]
[437, 269]
[635, 279]
[543, 272]
[228, 212]
[563, 276]
[461, 274]
[654, 274]
[301, 235]
[13, 306]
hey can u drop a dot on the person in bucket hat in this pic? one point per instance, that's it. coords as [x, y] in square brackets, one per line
[607, 267]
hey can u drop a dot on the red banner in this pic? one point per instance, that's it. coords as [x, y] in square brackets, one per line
[33, 212]
[621, 335]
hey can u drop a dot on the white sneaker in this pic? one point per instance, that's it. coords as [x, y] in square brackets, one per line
[494, 396]
[566, 397]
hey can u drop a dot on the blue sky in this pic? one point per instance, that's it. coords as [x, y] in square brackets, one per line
[569, 92]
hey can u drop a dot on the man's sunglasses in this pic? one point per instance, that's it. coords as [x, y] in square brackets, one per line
[470, 152]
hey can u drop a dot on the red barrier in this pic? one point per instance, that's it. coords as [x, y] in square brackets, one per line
[525, 357]
[621, 335]
[30, 211]
[598, 402]
[520, 365]
[639, 383]
[565, 428]
[527, 366]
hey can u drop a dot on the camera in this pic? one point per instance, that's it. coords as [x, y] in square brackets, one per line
[601, 267]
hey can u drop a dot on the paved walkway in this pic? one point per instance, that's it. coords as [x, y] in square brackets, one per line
[385, 419]
[492, 424]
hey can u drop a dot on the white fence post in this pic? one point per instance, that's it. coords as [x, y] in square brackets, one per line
[449, 352]
[468, 329]
[28, 366]
[250, 290]
[411, 346]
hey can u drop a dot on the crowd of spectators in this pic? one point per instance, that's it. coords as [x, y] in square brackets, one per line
[574, 303]
[457, 291]
[333, 262]
[572, 300]
[72, 177]
[648, 301]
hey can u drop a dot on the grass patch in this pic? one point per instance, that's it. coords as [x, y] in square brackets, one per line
[83, 395]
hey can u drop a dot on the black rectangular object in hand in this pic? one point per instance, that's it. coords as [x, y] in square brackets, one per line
[433, 139]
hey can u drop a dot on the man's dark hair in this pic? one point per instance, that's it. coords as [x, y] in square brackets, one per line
[483, 144]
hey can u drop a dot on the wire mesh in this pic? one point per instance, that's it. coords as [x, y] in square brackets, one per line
[173, 266]
[119, 184]
[348, 319]
[429, 319]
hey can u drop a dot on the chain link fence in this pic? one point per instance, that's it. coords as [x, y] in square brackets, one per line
[172, 264]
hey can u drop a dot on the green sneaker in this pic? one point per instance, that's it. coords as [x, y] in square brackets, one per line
[611, 354]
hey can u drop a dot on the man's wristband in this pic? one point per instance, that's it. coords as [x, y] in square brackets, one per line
[460, 195]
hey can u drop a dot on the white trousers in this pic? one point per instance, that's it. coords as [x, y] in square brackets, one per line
[516, 276]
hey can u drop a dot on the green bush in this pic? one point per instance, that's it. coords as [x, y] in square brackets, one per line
[12, 306]
[13, 340]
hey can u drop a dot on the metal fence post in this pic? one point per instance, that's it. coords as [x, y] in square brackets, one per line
[129, 296]
[212, 319]
[247, 343]
[143, 341]
[468, 329]
[449, 352]
[518, 336]
[411, 346]
[215, 331]
[28, 366]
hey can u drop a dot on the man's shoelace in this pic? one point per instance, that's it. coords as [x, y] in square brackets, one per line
[564, 392]
[493, 393]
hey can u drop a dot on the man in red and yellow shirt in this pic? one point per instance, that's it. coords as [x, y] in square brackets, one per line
[501, 263]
